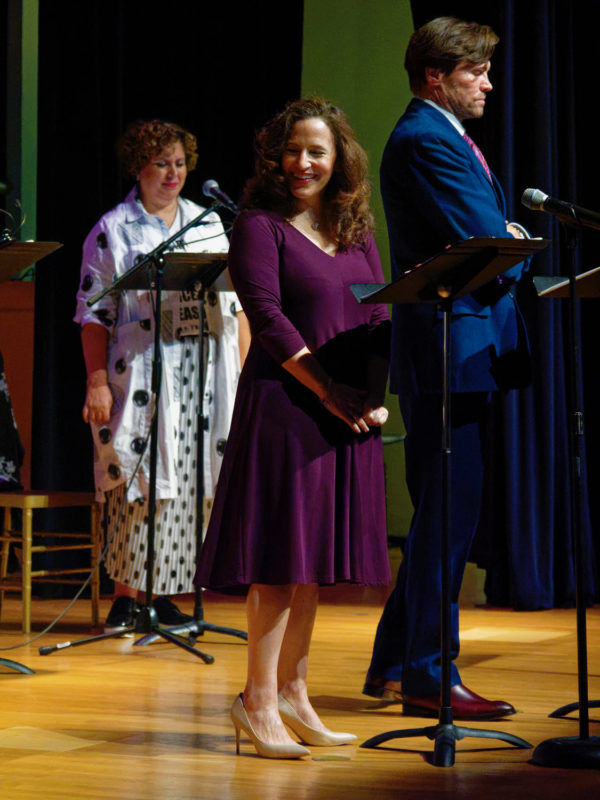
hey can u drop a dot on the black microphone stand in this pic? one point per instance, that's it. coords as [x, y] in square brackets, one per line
[583, 751]
[199, 625]
[146, 621]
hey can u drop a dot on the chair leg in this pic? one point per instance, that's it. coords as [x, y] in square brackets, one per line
[25, 538]
[26, 578]
[5, 552]
[96, 523]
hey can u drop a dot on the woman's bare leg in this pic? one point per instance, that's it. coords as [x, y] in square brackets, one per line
[293, 661]
[268, 611]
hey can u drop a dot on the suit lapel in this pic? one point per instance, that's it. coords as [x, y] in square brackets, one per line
[436, 119]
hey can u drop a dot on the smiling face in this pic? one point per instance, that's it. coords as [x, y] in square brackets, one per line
[462, 91]
[163, 177]
[308, 161]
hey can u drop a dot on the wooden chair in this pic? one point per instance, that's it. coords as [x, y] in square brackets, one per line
[33, 542]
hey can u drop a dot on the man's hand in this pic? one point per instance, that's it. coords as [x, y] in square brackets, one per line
[516, 230]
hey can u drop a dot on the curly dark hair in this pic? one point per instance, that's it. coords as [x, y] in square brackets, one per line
[145, 139]
[346, 210]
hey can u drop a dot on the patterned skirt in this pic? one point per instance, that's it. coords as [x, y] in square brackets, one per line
[175, 523]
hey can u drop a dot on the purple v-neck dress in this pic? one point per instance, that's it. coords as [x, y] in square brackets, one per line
[300, 497]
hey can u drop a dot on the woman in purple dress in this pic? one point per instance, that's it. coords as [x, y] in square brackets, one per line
[300, 500]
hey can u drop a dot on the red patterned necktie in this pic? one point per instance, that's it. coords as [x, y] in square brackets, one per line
[479, 154]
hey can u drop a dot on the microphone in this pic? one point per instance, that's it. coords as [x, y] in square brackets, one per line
[211, 188]
[536, 200]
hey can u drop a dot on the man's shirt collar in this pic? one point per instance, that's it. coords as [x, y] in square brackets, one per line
[448, 114]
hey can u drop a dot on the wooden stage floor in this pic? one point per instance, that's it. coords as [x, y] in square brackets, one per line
[112, 720]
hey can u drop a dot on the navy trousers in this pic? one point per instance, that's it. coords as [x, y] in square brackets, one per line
[407, 642]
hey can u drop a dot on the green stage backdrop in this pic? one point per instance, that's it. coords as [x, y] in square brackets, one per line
[353, 53]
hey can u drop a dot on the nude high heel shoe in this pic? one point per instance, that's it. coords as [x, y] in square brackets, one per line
[240, 720]
[306, 733]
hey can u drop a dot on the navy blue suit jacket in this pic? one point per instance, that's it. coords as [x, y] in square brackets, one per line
[436, 192]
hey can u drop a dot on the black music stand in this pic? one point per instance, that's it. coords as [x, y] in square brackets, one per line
[449, 275]
[15, 256]
[583, 751]
[149, 273]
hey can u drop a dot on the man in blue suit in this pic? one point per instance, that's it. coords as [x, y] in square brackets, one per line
[437, 190]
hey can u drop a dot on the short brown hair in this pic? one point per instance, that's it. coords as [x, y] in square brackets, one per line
[346, 196]
[443, 43]
[145, 139]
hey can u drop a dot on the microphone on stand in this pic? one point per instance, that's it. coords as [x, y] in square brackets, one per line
[211, 188]
[537, 200]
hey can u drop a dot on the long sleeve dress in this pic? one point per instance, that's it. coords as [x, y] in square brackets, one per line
[300, 497]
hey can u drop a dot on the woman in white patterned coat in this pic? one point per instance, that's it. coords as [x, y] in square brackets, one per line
[117, 338]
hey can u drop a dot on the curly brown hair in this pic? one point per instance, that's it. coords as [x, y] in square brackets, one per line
[346, 211]
[145, 139]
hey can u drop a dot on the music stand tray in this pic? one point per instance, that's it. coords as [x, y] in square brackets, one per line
[587, 284]
[15, 256]
[183, 270]
[456, 271]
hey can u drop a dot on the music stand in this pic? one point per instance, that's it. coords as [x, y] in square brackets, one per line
[148, 273]
[183, 271]
[587, 284]
[583, 751]
[15, 256]
[448, 276]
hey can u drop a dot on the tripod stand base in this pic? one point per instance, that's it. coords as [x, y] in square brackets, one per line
[147, 624]
[6, 662]
[193, 630]
[568, 752]
[564, 710]
[445, 736]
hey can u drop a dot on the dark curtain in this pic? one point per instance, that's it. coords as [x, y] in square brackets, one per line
[217, 69]
[536, 133]
[3, 93]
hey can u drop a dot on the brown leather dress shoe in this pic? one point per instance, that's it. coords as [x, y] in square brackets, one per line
[465, 705]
